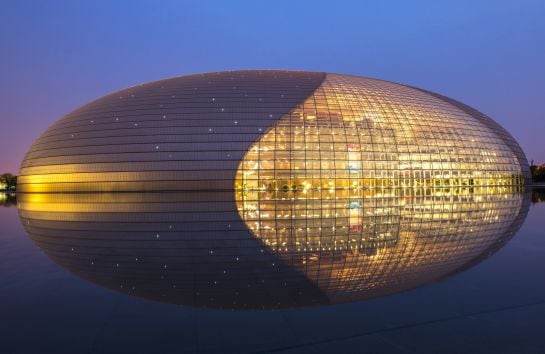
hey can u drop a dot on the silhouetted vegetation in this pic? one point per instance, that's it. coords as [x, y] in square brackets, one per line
[538, 172]
[8, 182]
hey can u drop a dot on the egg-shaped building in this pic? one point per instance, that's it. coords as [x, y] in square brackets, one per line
[338, 187]
[255, 130]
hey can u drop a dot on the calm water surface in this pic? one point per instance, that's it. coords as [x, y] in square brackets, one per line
[54, 301]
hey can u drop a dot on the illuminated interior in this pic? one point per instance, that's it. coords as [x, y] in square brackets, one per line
[361, 133]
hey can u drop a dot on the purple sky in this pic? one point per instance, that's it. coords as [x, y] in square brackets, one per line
[58, 55]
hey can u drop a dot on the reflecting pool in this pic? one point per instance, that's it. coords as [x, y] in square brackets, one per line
[201, 272]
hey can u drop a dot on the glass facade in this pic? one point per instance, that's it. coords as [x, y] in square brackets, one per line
[363, 133]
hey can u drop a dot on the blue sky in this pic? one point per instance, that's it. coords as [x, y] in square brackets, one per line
[58, 55]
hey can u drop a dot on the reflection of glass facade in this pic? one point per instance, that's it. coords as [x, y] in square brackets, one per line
[192, 248]
[354, 240]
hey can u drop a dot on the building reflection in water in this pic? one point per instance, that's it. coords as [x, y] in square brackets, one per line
[7, 199]
[272, 248]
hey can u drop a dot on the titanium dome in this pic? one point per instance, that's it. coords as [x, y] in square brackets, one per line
[258, 130]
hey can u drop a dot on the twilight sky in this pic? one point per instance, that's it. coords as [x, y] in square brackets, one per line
[58, 55]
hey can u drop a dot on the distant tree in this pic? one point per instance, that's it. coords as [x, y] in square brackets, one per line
[8, 181]
[538, 172]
